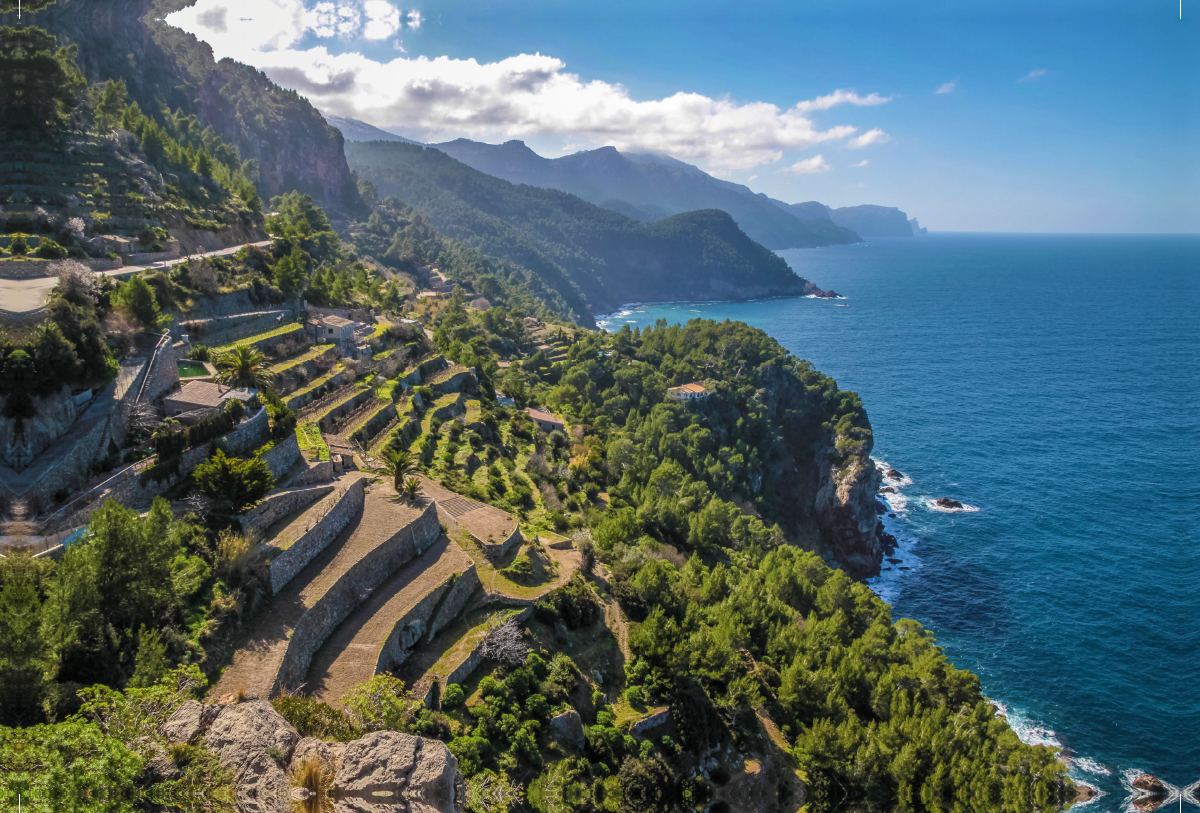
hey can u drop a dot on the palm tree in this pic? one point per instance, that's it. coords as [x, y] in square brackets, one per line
[397, 465]
[412, 487]
[244, 367]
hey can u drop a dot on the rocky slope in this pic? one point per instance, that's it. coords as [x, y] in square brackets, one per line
[126, 39]
[382, 772]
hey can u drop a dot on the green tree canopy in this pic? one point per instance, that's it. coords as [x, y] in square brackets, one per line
[42, 85]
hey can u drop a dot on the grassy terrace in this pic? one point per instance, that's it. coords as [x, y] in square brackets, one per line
[307, 355]
[308, 435]
[349, 429]
[319, 381]
[347, 392]
[284, 330]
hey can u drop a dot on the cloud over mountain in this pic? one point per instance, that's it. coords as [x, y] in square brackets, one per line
[517, 97]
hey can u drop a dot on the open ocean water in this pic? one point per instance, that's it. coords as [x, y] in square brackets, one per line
[1051, 383]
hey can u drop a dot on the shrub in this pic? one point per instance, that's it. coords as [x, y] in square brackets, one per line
[313, 718]
[49, 250]
[198, 352]
[453, 696]
[18, 246]
[520, 569]
[237, 481]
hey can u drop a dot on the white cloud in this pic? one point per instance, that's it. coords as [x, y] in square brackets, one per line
[383, 19]
[752, 178]
[861, 163]
[946, 88]
[807, 166]
[875, 136]
[1033, 74]
[522, 96]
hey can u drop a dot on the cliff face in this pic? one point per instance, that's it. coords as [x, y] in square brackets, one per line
[161, 65]
[825, 485]
[845, 507]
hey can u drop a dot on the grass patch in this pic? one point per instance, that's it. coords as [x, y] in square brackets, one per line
[308, 435]
[284, 330]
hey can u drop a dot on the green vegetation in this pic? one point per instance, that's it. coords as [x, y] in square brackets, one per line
[308, 435]
[236, 482]
[587, 254]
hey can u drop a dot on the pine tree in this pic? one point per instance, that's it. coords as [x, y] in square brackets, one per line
[151, 663]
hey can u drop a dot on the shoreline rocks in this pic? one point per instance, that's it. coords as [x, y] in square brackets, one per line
[893, 474]
[1150, 793]
[946, 502]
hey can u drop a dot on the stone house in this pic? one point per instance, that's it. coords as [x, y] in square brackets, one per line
[545, 420]
[203, 396]
[688, 392]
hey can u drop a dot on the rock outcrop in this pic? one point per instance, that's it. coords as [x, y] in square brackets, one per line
[846, 512]
[382, 772]
[946, 502]
[569, 727]
[1150, 793]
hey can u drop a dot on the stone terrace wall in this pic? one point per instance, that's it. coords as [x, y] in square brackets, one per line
[496, 551]
[330, 418]
[344, 506]
[31, 269]
[319, 472]
[341, 599]
[298, 402]
[281, 503]
[410, 628]
[455, 602]
[282, 456]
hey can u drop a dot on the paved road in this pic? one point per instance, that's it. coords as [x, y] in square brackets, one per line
[27, 295]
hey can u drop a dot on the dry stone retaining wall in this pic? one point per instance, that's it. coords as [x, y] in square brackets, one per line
[282, 456]
[410, 628]
[280, 504]
[344, 507]
[496, 551]
[298, 402]
[356, 583]
[31, 269]
[455, 602]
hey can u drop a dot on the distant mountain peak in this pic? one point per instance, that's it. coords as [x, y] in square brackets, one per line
[355, 130]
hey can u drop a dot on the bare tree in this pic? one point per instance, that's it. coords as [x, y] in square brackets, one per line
[75, 280]
[144, 418]
[203, 277]
[505, 643]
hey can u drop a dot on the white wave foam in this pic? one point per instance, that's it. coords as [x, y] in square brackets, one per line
[1028, 731]
[888, 584]
[896, 501]
[900, 482]
[1088, 765]
[966, 509]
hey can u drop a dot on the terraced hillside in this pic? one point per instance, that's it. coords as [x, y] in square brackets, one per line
[276, 650]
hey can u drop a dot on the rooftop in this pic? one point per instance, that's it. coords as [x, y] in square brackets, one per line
[539, 415]
[333, 321]
[693, 387]
[210, 394]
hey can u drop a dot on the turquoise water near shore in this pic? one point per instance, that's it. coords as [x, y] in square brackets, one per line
[1051, 382]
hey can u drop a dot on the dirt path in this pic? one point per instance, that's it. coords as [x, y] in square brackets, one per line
[349, 656]
[612, 612]
[257, 661]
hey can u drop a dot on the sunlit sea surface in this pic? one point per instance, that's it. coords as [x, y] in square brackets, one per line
[1051, 383]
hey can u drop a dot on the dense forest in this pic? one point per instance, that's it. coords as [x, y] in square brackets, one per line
[594, 257]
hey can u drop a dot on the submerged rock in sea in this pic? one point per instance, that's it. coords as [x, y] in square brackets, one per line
[1084, 793]
[887, 490]
[1150, 793]
[946, 502]
[893, 474]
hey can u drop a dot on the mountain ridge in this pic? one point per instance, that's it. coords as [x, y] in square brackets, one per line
[597, 259]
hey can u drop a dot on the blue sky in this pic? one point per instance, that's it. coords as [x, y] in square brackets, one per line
[1060, 117]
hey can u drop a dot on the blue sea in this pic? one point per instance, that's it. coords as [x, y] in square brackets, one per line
[1050, 383]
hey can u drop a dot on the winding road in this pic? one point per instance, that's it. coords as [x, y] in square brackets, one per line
[27, 295]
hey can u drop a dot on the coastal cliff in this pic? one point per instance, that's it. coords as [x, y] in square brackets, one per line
[845, 505]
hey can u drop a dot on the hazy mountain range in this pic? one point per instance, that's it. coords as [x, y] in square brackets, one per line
[648, 187]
